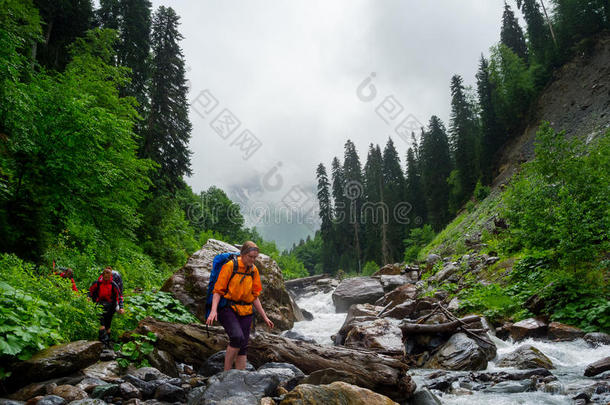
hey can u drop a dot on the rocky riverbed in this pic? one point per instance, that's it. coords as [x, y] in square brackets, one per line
[380, 339]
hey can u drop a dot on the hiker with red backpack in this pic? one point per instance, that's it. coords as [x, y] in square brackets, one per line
[106, 292]
[232, 292]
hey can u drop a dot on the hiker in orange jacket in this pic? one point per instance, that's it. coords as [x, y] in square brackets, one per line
[241, 291]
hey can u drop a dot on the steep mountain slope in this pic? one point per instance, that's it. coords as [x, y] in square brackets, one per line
[576, 101]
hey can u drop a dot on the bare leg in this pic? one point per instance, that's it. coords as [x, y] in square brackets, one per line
[230, 356]
[240, 362]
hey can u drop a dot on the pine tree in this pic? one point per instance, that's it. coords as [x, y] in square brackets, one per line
[168, 128]
[325, 217]
[436, 167]
[414, 192]
[464, 133]
[577, 19]
[64, 22]
[374, 213]
[134, 48]
[537, 32]
[394, 197]
[491, 132]
[340, 235]
[511, 33]
[354, 190]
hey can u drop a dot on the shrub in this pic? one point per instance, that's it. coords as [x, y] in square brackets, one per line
[370, 267]
[418, 238]
[39, 310]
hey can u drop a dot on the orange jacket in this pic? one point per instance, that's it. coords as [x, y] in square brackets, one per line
[242, 288]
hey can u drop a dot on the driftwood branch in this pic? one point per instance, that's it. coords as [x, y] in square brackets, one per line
[452, 326]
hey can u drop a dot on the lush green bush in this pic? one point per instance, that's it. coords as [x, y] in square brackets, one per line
[418, 238]
[159, 305]
[481, 191]
[490, 300]
[291, 266]
[370, 267]
[560, 201]
[38, 309]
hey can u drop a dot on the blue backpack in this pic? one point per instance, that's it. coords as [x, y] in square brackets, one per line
[219, 261]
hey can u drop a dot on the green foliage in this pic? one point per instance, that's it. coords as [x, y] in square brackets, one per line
[165, 234]
[513, 87]
[560, 200]
[369, 268]
[38, 310]
[490, 300]
[291, 266]
[418, 238]
[159, 305]
[136, 350]
[480, 191]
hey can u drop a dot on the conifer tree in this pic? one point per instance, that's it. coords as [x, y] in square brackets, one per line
[340, 211]
[414, 193]
[374, 212]
[63, 22]
[168, 128]
[436, 167]
[463, 130]
[511, 33]
[394, 197]
[325, 217]
[354, 190]
[537, 32]
[491, 131]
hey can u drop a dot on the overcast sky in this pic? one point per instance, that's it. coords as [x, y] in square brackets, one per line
[289, 72]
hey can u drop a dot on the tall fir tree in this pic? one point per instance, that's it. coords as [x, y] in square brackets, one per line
[132, 20]
[375, 215]
[134, 48]
[463, 130]
[168, 128]
[491, 131]
[414, 191]
[538, 34]
[64, 21]
[341, 231]
[324, 200]
[354, 190]
[436, 167]
[394, 197]
[511, 33]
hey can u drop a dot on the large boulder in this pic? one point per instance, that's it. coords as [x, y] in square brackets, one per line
[357, 290]
[398, 295]
[391, 269]
[525, 357]
[337, 393]
[598, 367]
[531, 327]
[55, 361]
[562, 332]
[356, 314]
[380, 335]
[391, 282]
[235, 387]
[189, 285]
[459, 353]
[596, 339]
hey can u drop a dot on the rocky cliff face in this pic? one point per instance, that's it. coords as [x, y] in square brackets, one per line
[190, 284]
[577, 101]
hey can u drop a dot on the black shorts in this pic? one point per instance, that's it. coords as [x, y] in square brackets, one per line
[106, 317]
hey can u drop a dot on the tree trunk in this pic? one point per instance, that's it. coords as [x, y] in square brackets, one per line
[191, 344]
[436, 328]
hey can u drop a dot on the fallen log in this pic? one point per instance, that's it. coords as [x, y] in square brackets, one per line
[191, 344]
[302, 282]
[453, 326]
